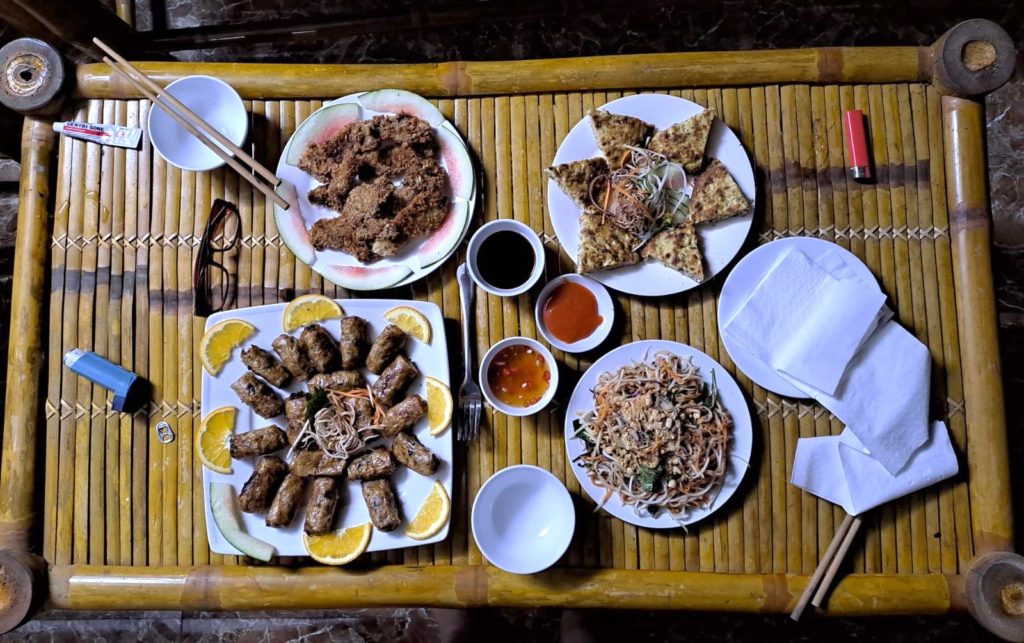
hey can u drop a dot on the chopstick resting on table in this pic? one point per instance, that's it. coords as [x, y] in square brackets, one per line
[828, 566]
[192, 124]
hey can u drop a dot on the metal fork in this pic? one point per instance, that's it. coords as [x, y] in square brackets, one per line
[470, 404]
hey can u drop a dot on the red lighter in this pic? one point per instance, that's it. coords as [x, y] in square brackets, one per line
[857, 144]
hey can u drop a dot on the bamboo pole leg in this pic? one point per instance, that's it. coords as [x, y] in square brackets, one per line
[970, 229]
[19, 569]
[995, 594]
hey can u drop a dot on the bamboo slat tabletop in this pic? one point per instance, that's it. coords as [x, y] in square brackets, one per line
[126, 232]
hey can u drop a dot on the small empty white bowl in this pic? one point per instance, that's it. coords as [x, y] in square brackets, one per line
[605, 308]
[214, 101]
[485, 231]
[518, 411]
[523, 519]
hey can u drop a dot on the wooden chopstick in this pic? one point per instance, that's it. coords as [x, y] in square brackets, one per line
[134, 73]
[227, 158]
[837, 561]
[823, 565]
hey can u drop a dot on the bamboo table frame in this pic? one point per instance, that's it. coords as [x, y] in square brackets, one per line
[82, 586]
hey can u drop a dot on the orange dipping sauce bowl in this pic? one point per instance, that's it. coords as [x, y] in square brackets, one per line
[574, 313]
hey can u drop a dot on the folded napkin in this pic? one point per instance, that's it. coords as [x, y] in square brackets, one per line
[883, 397]
[805, 323]
[830, 335]
[840, 470]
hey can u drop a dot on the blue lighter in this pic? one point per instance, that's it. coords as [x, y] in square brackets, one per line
[126, 386]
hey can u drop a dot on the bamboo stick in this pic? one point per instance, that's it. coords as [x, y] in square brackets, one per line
[964, 541]
[200, 544]
[987, 457]
[24, 356]
[258, 227]
[225, 588]
[108, 343]
[55, 412]
[87, 478]
[184, 393]
[945, 527]
[156, 351]
[125, 164]
[646, 71]
[140, 421]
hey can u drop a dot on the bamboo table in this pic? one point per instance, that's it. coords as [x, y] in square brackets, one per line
[104, 262]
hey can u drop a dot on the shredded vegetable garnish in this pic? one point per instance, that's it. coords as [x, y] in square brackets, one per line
[333, 427]
[644, 196]
[657, 437]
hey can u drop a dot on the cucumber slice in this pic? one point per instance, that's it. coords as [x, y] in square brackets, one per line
[224, 507]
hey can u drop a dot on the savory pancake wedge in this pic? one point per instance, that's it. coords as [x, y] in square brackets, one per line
[603, 245]
[684, 142]
[614, 132]
[576, 177]
[677, 248]
[716, 195]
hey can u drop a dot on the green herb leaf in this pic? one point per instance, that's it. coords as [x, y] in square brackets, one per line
[710, 398]
[316, 401]
[649, 477]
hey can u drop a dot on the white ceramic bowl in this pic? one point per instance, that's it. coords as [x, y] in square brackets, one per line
[516, 411]
[605, 308]
[213, 100]
[523, 519]
[486, 230]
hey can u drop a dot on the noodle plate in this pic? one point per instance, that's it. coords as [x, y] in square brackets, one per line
[657, 436]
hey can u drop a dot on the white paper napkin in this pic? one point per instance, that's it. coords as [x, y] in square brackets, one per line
[840, 470]
[883, 397]
[805, 323]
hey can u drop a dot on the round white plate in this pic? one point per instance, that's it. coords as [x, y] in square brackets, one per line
[742, 281]
[523, 519]
[405, 264]
[719, 242]
[740, 443]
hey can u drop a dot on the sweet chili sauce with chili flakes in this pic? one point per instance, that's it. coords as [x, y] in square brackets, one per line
[518, 375]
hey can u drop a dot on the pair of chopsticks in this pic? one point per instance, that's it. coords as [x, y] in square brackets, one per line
[193, 123]
[828, 566]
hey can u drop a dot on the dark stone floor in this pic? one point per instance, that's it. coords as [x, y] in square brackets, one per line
[568, 28]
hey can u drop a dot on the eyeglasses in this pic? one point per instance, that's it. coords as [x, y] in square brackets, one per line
[214, 287]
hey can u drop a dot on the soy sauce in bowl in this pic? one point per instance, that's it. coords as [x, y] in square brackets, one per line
[506, 259]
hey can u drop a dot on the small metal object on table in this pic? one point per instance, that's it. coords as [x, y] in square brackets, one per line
[470, 402]
[164, 433]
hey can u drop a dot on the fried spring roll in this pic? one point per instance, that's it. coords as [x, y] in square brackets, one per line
[391, 384]
[314, 463]
[295, 414]
[403, 415]
[353, 342]
[264, 364]
[338, 381]
[257, 442]
[263, 400]
[364, 412]
[305, 463]
[380, 501]
[286, 501]
[408, 450]
[385, 347]
[293, 356]
[323, 499]
[321, 348]
[258, 490]
[370, 466]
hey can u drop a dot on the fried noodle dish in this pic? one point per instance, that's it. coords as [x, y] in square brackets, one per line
[657, 436]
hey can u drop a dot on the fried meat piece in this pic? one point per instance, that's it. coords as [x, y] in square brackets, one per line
[260, 397]
[264, 364]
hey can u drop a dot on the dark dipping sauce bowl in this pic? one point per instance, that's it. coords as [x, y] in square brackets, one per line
[505, 257]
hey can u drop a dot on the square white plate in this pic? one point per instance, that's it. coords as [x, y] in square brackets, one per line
[411, 488]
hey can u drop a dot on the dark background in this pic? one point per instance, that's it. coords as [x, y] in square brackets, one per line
[388, 32]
